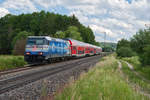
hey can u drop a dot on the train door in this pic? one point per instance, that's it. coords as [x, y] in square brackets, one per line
[52, 48]
[80, 51]
[68, 49]
[62, 48]
[65, 50]
[74, 50]
[58, 48]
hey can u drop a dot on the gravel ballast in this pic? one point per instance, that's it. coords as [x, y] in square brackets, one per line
[48, 85]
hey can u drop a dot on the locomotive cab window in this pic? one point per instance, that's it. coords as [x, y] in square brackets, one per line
[37, 41]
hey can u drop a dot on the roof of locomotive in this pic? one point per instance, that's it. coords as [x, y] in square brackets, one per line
[48, 38]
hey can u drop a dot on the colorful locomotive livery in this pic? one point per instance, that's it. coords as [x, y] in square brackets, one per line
[45, 48]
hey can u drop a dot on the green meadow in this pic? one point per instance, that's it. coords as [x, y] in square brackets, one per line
[103, 82]
[10, 61]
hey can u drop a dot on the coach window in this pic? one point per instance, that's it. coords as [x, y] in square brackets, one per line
[81, 52]
[73, 48]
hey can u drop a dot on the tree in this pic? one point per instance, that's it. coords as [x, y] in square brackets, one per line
[124, 49]
[145, 58]
[97, 43]
[87, 34]
[42, 24]
[125, 52]
[140, 40]
[123, 43]
[141, 44]
[19, 43]
[59, 34]
[72, 32]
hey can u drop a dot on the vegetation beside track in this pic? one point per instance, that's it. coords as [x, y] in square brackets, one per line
[104, 82]
[9, 62]
[138, 45]
[134, 79]
[138, 67]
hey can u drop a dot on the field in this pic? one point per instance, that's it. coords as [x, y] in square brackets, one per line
[9, 62]
[104, 82]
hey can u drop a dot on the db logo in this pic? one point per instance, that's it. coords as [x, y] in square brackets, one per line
[34, 48]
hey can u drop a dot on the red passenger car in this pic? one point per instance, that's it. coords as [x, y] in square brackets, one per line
[79, 49]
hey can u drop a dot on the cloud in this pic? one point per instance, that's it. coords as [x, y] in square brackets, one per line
[19, 6]
[47, 3]
[3, 12]
[118, 18]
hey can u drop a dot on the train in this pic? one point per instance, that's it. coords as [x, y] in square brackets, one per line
[45, 48]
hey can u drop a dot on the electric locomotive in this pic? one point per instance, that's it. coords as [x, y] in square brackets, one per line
[45, 48]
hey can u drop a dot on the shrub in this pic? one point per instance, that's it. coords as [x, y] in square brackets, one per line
[8, 62]
[134, 60]
[145, 58]
[125, 52]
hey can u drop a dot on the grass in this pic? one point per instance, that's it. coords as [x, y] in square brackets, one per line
[104, 82]
[143, 70]
[135, 79]
[9, 62]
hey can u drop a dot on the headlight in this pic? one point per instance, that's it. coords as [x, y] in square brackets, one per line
[40, 53]
[27, 53]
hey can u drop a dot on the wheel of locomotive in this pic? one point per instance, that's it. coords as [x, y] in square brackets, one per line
[49, 60]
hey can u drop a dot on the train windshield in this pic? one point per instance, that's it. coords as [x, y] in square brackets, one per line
[36, 41]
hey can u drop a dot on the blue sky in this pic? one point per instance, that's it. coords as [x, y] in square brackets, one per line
[117, 18]
[130, 1]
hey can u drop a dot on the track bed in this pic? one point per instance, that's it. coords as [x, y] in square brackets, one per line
[14, 83]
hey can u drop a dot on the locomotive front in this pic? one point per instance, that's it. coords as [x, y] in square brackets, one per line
[36, 49]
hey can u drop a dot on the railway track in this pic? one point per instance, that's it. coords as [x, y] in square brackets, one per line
[15, 70]
[16, 82]
[26, 67]
[30, 66]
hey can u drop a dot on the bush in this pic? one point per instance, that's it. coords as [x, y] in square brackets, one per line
[143, 70]
[133, 60]
[145, 58]
[125, 52]
[8, 62]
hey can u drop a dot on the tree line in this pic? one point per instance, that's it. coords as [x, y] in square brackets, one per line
[138, 45]
[16, 27]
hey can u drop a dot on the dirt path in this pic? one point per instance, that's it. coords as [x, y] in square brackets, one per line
[133, 85]
[119, 65]
[136, 73]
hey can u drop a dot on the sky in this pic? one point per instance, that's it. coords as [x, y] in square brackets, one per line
[116, 18]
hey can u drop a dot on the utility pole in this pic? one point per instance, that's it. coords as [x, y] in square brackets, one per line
[104, 39]
[147, 25]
